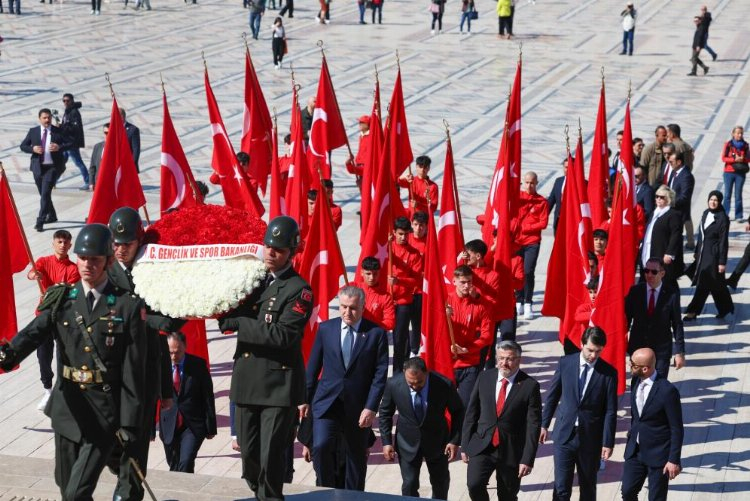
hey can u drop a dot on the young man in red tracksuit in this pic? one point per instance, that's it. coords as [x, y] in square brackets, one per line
[405, 279]
[419, 187]
[379, 306]
[418, 240]
[531, 220]
[472, 331]
[362, 160]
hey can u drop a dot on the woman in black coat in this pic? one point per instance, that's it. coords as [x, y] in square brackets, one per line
[663, 237]
[710, 261]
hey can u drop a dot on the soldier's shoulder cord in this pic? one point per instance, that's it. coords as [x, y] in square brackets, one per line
[54, 297]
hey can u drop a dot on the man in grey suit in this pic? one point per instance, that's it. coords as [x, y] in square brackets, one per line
[96, 158]
[421, 398]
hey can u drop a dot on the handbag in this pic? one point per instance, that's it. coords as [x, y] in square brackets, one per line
[286, 47]
[474, 15]
[741, 167]
[435, 8]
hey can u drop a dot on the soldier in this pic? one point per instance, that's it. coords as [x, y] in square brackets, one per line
[100, 334]
[268, 379]
[127, 230]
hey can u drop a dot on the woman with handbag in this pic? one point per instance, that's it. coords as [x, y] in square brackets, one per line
[735, 156]
[468, 12]
[711, 261]
[437, 7]
[278, 42]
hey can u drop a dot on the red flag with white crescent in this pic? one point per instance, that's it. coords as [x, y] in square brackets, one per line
[117, 182]
[298, 182]
[449, 229]
[178, 188]
[370, 171]
[327, 131]
[599, 167]
[398, 132]
[256, 127]
[277, 205]
[234, 182]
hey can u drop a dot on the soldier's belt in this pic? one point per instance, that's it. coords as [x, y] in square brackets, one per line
[82, 376]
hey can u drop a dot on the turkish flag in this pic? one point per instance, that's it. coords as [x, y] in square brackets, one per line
[578, 242]
[450, 234]
[237, 190]
[327, 131]
[513, 121]
[398, 132]
[13, 259]
[117, 182]
[197, 341]
[370, 172]
[322, 266]
[435, 342]
[256, 127]
[618, 273]
[599, 167]
[178, 188]
[298, 182]
[277, 205]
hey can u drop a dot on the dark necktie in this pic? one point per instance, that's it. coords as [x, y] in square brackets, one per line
[44, 143]
[499, 410]
[418, 407]
[582, 381]
[346, 349]
[90, 299]
[651, 302]
[671, 178]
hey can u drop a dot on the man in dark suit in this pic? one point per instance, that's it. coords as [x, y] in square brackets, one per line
[652, 310]
[586, 421]
[421, 398]
[654, 445]
[192, 418]
[501, 426]
[134, 138]
[352, 354]
[47, 145]
[96, 158]
[682, 182]
[268, 379]
[644, 193]
[554, 200]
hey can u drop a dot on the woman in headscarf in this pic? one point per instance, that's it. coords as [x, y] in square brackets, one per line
[663, 237]
[711, 260]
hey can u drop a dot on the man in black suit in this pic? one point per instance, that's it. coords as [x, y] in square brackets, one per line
[652, 310]
[47, 145]
[501, 426]
[268, 378]
[96, 157]
[554, 200]
[586, 422]
[421, 398]
[352, 354]
[682, 182]
[192, 418]
[644, 193]
[654, 445]
[134, 138]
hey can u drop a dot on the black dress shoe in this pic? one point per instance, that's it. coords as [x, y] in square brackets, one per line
[39, 227]
[692, 74]
[50, 220]
[689, 317]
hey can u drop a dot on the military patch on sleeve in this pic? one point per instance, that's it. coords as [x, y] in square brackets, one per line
[300, 307]
[307, 295]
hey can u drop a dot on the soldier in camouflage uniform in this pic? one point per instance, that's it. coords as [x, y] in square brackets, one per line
[101, 344]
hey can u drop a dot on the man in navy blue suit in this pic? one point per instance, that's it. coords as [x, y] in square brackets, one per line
[192, 418]
[352, 353]
[654, 443]
[645, 196]
[586, 421]
[46, 144]
[682, 182]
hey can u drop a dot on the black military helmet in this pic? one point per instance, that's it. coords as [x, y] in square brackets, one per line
[94, 240]
[126, 225]
[282, 233]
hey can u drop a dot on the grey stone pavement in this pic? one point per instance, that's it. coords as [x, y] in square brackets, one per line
[464, 79]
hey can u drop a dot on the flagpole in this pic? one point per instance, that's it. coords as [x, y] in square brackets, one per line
[377, 87]
[324, 196]
[4, 179]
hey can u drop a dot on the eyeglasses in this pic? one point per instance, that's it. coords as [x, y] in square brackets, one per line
[662, 197]
[651, 271]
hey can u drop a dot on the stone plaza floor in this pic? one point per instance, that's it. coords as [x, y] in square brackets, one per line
[459, 77]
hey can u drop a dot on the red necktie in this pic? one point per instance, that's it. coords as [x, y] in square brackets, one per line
[176, 383]
[499, 409]
[651, 302]
[44, 143]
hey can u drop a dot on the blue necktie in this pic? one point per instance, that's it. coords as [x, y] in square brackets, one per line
[418, 407]
[582, 381]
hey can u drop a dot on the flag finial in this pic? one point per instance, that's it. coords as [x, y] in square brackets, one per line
[630, 85]
[205, 65]
[376, 73]
[319, 43]
[520, 51]
[398, 61]
[244, 39]
[291, 70]
[602, 72]
[447, 129]
[580, 131]
[109, 82]
[161, 79]
[567, 139]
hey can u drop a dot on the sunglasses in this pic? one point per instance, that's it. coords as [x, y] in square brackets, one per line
[662, 197]
[650, 271]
